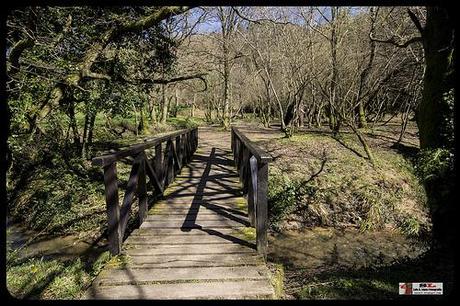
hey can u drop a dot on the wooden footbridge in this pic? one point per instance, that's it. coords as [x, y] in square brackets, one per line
[193, 242]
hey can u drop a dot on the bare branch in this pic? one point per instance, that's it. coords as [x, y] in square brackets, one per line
[416, 21]
[258, 21]
[396, 43]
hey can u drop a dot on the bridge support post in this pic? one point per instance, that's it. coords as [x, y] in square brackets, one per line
[142, 192]
[262, 209]
[113, 210]
[159, 163]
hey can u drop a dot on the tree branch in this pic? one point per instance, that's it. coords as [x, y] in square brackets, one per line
[91, 54]
[16, 52]
[258, 21]
[199, 76]
[416, 21]
[395, 43]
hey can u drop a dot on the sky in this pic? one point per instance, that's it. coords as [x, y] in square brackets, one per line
[214, 25]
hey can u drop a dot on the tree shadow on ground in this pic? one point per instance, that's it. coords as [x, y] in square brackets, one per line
[373, 282]
[409, 152]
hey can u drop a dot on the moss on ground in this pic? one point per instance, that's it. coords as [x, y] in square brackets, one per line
[277, 280]
[246, 233]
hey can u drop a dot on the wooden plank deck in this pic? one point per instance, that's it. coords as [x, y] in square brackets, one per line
[190, 246]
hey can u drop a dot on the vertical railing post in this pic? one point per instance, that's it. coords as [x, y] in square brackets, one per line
[142, 191]
[170, 163]
[195, 132]
[245, 169]
[158, 166]
[262, 209]
[185, 148]
[238, 152]
[252, 192]
[241, 165]
[179, 150]
[232, 141]
[113, 210]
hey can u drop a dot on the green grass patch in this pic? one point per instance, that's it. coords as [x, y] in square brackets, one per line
[181, 122]
[52, 279]
[277, 280]
[246, 233]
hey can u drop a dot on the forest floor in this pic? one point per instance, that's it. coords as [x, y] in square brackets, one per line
[347, 252]
[335, 251]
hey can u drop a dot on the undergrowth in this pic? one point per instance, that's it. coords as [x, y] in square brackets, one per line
[316, 181]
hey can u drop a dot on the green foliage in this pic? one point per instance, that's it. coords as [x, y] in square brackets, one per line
[277, 280]
[434, 164]
[52, 194]
[285, 196]
[180, 122]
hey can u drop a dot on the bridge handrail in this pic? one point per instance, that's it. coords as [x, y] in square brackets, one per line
[161, 171]
[252, 164]
[260, 154]
[109, 158]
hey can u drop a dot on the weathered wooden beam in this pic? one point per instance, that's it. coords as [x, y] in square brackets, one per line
[177, 156]
[113, 210]
[133, 150]
[169, 162]
[260, 154]
[154, 178]
[159, 169]
[252, 192]
[129, 194]
[244, 169]
[262, 209]
[142, 189]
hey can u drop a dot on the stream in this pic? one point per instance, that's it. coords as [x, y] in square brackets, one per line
[64, 248]
[328, 248]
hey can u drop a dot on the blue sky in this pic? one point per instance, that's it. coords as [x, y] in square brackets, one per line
[214, 25]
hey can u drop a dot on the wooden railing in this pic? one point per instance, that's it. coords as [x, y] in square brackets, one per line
[161, 171]
[252, 164]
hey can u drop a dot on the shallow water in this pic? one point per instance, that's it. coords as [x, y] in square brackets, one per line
[30, 244]
[326, 248]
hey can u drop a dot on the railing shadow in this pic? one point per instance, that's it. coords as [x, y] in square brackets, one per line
[219, 161]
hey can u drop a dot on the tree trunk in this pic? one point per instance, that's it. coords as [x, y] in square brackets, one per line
[165, 102]
[74, 126]
[192, 111]
[141, 126]
[435, 112]
[85, 133]
[91, 128]
[434, 118]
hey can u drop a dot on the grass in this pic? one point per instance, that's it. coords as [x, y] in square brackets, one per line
[44, 278]
[317, 180]
[246, 233]
[277, 280]
[380, 282]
